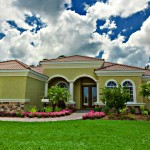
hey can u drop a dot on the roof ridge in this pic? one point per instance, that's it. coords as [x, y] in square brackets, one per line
[127, 65]
[102, 67]
[23, 64]
[58, 58]
[7, 61]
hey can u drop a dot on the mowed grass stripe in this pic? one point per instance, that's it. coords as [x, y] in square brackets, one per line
[81, 134]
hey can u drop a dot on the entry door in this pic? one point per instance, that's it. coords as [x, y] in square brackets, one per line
[89, 96]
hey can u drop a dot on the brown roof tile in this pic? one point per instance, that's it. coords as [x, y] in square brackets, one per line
[18, 65]
[147, 72]
[73, 58]
[38, 69]
[13, 65]
[108, 66]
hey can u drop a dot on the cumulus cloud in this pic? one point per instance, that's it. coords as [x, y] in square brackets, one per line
[48, 9]
[123, 8]
[134, 52]
[69, 33]
[109, 25]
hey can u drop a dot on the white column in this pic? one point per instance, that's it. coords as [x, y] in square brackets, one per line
[71, 89]
[97, 85]
[46, 89]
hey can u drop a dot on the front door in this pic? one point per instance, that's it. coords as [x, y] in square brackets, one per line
[89, 96]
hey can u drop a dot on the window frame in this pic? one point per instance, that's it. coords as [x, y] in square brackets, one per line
[111, 80]
[134, 90]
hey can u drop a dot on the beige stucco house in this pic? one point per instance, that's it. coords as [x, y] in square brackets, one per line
[25, 86]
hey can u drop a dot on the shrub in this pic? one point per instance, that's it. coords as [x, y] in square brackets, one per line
[133, 110]
[99, 109]
[57, 109]
[19, 114]
[57, 94]
[33, 109]
[130, 117]
[143, 110]
[106, 109]
[48, 109]
[123, 111]
[115, 97]
[145, 90]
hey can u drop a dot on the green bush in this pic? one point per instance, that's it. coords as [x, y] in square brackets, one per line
[99, 109]
[143, 110]
[133, 110]
[145, 90]
[57, 109]
[19, 114]
[33, 109]
[48, 109]
[123, 111]
[57, 94]
[115, 97]
[106, 109]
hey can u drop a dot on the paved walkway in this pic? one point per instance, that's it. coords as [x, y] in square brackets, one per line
[74, 116]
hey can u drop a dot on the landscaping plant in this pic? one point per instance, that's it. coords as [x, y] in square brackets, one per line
[115, 98]
[145, 90]
[57, 94]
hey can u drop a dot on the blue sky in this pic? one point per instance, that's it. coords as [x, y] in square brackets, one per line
[37, 29]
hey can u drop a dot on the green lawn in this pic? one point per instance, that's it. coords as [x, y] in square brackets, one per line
[82, 134]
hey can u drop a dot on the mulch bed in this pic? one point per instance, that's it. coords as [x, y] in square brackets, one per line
[139, 117]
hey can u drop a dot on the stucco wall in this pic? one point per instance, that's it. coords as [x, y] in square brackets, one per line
[35, 92]
[12, 87]
[71, 73]
[137, 81]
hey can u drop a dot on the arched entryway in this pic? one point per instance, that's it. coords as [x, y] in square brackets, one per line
[58, 81]
[85, 92]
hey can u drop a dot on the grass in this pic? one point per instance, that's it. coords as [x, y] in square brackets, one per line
[81, 134]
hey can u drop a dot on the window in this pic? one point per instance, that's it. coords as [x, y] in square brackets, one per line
[111, 84]
[129, 85]
[62, 84]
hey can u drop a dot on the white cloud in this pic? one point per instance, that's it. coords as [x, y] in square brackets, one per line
[69, 33]
[135, 51]
[123, 8]
[109, 25]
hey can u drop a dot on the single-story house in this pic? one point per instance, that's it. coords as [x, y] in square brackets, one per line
[22, 86]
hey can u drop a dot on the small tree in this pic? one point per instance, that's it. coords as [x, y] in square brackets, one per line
[57, 94]
[145, 90]
[115, 97]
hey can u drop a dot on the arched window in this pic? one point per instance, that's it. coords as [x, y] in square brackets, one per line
[129, 85]
[62, 84]
[111, 84]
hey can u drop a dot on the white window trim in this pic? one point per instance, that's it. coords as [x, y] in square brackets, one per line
[109, 81]
[64, 83]
[134, 89]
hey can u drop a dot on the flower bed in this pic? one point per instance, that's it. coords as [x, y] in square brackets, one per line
[37, 114]
[93, 115]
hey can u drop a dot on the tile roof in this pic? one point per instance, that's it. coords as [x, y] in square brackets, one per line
[73, 58]
[108, 66]
[38, 69]
[147, 72]
[13, 65]
[18, 65]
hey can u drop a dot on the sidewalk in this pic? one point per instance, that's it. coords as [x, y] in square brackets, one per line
[74, 116]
